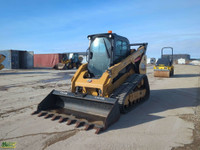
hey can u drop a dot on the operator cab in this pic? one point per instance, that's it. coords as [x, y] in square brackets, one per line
[105, 50]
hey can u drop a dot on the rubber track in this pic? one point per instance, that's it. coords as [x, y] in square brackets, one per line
[130, 84]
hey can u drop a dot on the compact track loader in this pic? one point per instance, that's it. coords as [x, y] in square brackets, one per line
[164, 66]
[2, 58]
[112, 82]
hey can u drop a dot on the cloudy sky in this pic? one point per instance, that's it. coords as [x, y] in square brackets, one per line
[56, 26]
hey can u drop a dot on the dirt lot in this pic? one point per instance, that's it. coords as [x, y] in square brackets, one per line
[169, 119]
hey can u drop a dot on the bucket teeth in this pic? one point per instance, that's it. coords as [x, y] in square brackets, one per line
[42, 114]
[55, 117]
[88, 126]
[97, 130]
[69, 121]
[48, 116]
[35, 112]
[79, 124]
[61, 119]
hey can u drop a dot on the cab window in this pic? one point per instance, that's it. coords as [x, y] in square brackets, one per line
[121, 49]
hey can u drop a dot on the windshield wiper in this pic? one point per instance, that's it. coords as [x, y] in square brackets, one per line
[106, 48]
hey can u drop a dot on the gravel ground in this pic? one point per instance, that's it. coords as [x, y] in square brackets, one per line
[168, 120]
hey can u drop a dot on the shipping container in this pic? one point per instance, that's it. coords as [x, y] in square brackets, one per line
[47, 60]
[17, 59]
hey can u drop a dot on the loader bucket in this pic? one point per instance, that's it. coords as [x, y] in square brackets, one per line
[91, 111]
[162, 73]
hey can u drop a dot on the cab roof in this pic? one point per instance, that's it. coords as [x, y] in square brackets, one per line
[113, 35]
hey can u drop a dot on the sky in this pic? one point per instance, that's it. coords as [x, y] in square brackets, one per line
[57, 26]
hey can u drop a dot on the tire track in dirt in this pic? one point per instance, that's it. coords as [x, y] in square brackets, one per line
[16, 110]
[59, 137]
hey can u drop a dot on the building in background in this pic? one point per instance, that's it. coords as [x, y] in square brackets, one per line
[177, 56]
[183, 57]
[18, 59]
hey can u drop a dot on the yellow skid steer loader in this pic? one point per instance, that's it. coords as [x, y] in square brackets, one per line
[112, 82]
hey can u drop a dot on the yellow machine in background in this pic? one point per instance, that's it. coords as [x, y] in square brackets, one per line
[2, 58]
[69, 61]
[164, 66]
[113, 81]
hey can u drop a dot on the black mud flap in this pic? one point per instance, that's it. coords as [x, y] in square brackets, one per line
[91, 111]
